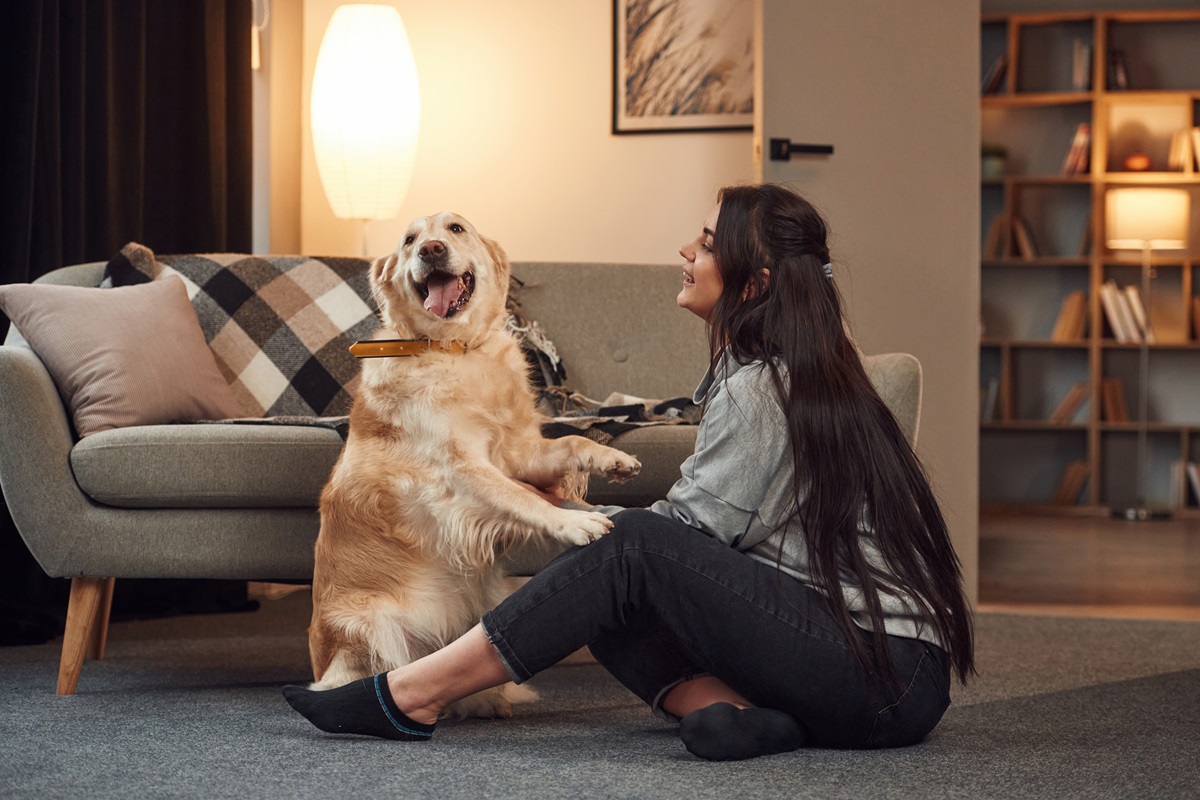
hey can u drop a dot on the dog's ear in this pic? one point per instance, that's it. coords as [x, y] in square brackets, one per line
[381, 272]
[382, 267]
[500, 258]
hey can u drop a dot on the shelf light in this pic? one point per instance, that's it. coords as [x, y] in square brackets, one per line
[1139, 218]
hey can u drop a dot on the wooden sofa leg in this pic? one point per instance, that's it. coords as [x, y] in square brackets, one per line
[100, 628]
[86, 594]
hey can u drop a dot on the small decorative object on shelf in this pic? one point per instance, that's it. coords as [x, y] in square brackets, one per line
[1137, 162]
[993, 159]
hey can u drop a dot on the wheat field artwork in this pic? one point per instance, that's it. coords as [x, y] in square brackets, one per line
[683, 65]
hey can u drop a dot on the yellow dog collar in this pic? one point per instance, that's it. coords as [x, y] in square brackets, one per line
[382, 348]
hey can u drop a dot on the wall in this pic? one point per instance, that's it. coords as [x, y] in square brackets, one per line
[515, 135]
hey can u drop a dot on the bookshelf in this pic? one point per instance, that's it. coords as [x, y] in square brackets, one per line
[1131, 81]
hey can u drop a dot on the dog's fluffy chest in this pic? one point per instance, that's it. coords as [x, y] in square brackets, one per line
[477, 402]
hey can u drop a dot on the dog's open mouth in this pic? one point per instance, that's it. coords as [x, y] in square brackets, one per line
[446, 294]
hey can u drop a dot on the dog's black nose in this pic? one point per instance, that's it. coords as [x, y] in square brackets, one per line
[432, 251]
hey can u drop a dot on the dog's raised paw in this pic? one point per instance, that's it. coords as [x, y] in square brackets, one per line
[619, 467]
[580, 527]
[622, 468]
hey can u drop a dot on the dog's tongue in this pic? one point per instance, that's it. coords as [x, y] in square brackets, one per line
[444, 291]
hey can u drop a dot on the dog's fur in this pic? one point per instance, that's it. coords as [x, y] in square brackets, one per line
[421, 502]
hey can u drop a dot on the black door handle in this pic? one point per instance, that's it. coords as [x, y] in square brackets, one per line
[782, 149]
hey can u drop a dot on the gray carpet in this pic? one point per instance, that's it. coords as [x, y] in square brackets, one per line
[190, 707]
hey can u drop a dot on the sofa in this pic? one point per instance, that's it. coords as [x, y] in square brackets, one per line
[177, 499]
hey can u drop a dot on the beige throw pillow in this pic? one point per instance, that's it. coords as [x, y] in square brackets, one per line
[122, 357]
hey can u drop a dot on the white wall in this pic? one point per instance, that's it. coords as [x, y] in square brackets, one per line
[516, 135]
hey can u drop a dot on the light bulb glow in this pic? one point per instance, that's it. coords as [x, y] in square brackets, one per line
[365, 112]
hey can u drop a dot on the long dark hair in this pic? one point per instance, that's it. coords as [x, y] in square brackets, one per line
[851, 458]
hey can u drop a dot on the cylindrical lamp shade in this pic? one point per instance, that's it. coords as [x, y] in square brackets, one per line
[366, 106]
[1138, 217]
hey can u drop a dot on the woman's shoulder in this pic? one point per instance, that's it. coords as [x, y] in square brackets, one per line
[755, 381]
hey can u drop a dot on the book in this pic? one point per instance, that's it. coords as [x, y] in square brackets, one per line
[988, 394]
[1024, 239]
[1085, 241]
[1193, 474]
[997, 244]
[1072, 318]
[1196, 145]
[1070, 404]
[994, 77]
[1113, 407]
[1081, 66]
[1076, 160]
[1070, 483]
[1138, 311]
[1118, 70]
[1179, 154]
[1132, 332]
[1116, 311]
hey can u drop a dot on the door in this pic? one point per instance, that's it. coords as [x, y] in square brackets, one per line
[894, 88]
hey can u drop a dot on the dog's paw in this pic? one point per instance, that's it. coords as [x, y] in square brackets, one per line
[579, 527]
[618, 467]
[488, 704]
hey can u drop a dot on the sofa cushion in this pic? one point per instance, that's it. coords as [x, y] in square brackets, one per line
[280, 327]
[131, 356]
[207, 466]
[264, 466]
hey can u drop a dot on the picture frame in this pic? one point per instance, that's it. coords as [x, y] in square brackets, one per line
[683, 66]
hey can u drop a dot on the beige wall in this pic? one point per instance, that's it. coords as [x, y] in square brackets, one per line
[515, 134]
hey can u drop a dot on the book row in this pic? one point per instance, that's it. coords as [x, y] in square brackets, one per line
[1113, 405]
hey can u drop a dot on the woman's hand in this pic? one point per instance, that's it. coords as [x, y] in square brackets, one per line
[550, 497]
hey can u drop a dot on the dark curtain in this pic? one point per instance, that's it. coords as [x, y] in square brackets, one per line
[124, 120]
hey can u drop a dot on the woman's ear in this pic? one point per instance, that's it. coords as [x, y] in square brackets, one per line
[757, 285]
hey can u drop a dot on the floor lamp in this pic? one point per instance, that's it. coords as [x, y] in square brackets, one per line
[1145, 219]
[365, 110]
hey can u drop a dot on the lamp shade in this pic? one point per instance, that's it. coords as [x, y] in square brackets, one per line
[365, 110]
[1139, 217]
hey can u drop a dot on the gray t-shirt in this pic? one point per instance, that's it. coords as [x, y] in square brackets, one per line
[737, 487]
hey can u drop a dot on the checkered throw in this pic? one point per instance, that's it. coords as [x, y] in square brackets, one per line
[279, 326]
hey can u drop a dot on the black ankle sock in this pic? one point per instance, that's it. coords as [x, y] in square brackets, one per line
[724, 732]
[365, 707]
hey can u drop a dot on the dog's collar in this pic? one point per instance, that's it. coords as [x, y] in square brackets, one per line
[382, 348]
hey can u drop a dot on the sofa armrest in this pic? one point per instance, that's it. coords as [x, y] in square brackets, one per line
[35, 446]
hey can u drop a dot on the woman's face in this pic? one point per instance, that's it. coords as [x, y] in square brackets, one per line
[702, 283]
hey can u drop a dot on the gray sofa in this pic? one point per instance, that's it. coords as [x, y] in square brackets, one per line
[239, 501]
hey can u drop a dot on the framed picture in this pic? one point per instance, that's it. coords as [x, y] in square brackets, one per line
[683, 65]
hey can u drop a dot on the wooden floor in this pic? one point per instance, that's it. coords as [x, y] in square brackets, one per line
[1092, 566]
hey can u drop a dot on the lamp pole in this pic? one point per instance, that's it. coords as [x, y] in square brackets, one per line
[1142, 512]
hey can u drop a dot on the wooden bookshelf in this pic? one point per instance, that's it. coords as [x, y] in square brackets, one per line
[1044, 239]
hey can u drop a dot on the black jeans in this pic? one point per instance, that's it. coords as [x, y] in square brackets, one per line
[659, 602]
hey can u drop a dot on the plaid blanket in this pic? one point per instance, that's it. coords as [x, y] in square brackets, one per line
[570, 413]
[602, 421]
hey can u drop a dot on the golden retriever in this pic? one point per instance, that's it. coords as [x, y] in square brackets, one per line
[422, 501]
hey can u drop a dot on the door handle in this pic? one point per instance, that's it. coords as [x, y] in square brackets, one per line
[782, 149]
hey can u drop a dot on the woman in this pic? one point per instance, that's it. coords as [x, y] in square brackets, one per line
[797, 585]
